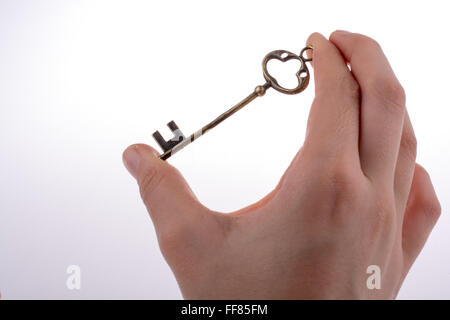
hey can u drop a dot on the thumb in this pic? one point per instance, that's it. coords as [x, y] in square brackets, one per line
[169, 200]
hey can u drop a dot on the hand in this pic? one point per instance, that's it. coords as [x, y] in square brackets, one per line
[352, 197]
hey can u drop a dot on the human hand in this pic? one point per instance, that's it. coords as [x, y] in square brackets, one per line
[352, 197]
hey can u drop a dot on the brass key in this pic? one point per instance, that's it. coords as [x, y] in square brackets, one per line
[179, 141]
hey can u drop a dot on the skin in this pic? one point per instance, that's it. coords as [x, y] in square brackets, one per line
[352, 197]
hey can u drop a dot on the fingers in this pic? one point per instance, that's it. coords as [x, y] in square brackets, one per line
[404, 170]
[167, 196]
[333, 122]
[422, 212]
[382, 103]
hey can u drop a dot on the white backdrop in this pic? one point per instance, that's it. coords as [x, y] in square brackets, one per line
[81, 80]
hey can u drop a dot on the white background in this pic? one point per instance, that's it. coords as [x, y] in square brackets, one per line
[81, 80]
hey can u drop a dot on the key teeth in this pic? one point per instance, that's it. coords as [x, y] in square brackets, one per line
[172, 126]
[160, 140]
[168, 145]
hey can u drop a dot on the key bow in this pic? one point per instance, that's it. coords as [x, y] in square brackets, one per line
[302, 74]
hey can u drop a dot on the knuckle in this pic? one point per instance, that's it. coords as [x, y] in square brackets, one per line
[409, 145]
[390, 92]
[342, 180]
[171, 237]
[395, 93]
[342, 190]
[421, 171]
[365, 41]
[428, 201]
[432, 208]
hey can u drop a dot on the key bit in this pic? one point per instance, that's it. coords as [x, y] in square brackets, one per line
[177, 138]
[179, 141]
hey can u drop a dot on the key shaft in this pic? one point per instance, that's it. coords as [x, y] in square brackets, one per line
[258, 92]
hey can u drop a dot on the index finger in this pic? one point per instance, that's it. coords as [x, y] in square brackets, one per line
[382, 103]
[333, 124]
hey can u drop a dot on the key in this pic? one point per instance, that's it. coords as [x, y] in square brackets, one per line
[179, 141]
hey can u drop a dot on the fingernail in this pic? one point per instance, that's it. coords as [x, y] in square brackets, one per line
[131, 160]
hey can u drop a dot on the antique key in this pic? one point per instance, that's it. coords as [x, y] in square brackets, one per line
[179, 141]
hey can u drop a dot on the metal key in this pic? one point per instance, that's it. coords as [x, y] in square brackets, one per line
[179, 141]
